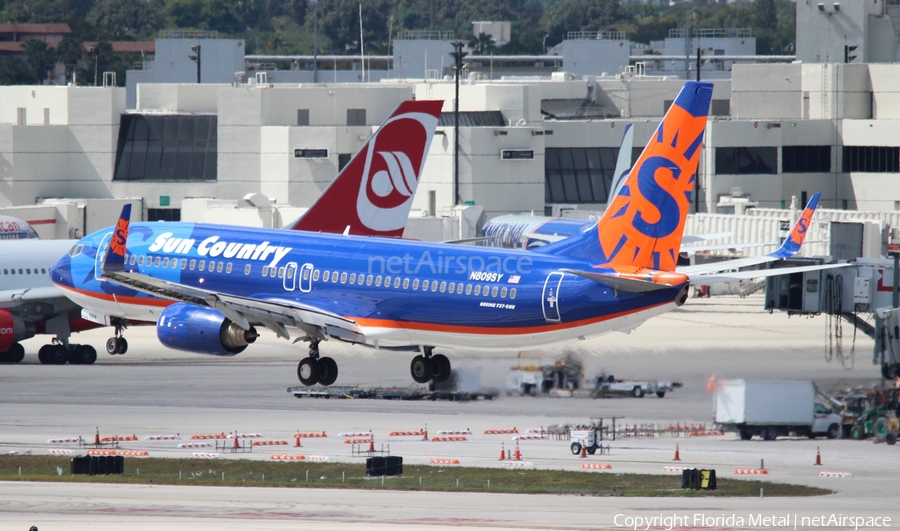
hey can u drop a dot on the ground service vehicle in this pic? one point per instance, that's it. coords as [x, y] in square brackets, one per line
[772, 408]
[607, 385]
[589, 438]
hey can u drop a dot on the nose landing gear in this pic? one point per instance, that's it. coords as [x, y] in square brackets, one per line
[117, 344]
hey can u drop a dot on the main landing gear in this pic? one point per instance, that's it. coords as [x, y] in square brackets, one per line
[427, 367]
[117, 344]
[59, 353]
[14, 354]
[313, 369]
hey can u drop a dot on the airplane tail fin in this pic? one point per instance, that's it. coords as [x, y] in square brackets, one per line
[792, 244]
[373, 194]
[623, 162]
[115, 251]
[643, 225]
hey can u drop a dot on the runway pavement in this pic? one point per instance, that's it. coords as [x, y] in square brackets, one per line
[153, 390]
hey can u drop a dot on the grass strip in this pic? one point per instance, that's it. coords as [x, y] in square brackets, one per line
[253, 473]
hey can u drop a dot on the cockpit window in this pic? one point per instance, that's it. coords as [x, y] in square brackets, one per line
[76, 250]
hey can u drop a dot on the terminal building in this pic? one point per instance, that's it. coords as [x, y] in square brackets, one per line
[537, 143]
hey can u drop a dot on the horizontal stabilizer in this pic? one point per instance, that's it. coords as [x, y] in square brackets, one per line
[620, 283]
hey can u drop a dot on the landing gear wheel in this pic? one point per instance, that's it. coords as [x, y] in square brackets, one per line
[86, 355]
[57, 355]
[308, 371]
[576, 448]
[16, 353]
[440, 367]
[421, 369]
[112, 345]
[123, 346]
[74, 355]
[43, 355]
[328, 371]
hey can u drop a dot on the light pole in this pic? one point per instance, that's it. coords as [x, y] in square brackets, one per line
[544, 44]
[196, 58]
[315, 4]
[457, 55]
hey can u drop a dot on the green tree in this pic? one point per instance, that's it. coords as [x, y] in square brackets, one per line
[14, 71]
[46, 11]
[582, 15]
[69, 52]
[127, 19]
[39, 57]
[96, 61]
[765, 16]
[339, 22]
[482, 44]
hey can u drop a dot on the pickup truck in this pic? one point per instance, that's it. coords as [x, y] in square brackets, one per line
[607, 385]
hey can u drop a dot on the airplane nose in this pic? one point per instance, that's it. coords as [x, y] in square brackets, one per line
[61, 272]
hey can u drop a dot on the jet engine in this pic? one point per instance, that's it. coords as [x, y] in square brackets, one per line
[13, 328]
[203, 330]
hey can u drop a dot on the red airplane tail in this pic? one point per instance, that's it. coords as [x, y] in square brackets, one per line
[373, 194]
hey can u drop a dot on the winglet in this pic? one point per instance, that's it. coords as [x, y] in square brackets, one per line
[792, 244]
[115, 252]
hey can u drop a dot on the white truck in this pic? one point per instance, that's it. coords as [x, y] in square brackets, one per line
[607, 385]
[772, 408]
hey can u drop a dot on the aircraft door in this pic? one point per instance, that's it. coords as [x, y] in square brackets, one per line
[290, 276]
[306, 273]
[550, 299]
[101, 255]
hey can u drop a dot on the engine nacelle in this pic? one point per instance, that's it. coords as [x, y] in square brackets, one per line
[13, 328]
[202, 330]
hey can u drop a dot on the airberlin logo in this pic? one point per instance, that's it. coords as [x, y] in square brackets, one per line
[394, 159]
[7, 331]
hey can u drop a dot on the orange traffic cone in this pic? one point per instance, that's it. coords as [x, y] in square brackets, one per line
[518, 455]
[583, 452]
[97, 436]
[677, 454]
[236, 443]
[297, 440]
[818, 457]
[372, 444]
[502, 452]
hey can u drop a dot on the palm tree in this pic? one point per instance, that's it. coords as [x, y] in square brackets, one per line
[482, 43]
[40, 58]
[70, 52]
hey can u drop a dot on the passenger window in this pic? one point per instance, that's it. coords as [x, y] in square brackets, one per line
[166, 262]
[512, 293]
[202, 265]
[343, 278]
[326, 276]
[43, 270]
[20, 271]
[133, 260]
[12, 271]
[228, 268]
[424, 285]
[387, 282]
[415, 284]
[265, 271]
[141, 261]
[396, 282]
[459, 288]
[280, 272]
[193, 263]
[156, 262]
[405, 283]
[452, 287]
[368, 280]
[378, 281]
[174, 263]
[468, 289]
[443, 286]
[6, 271]
[247, 269]
[316, 275]
[27, 270]
[434, 285]
[493, 291]
[183, 263]
[502, 293]
[477, 290]
[353, 278]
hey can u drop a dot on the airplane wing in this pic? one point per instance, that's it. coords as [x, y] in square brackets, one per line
[790, 247]
[44, 293]
[275, 314]
[718, 278]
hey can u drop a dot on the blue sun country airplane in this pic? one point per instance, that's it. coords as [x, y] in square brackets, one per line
[208, 287]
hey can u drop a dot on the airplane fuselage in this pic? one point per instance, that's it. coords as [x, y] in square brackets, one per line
[400, 293]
